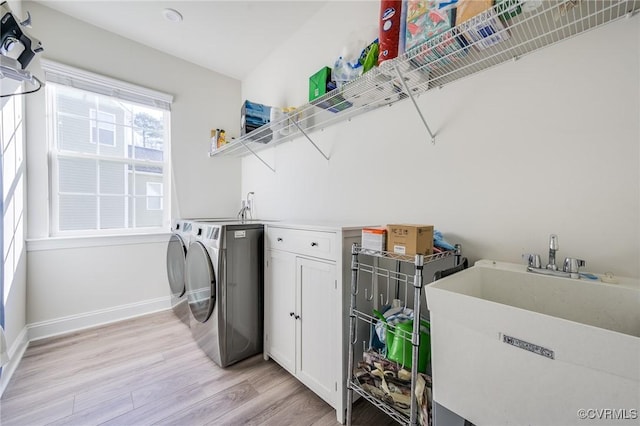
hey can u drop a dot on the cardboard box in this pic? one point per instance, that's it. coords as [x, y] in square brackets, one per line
[374, 239]
[410, 239]
[253, 116]
[467, 9]
[318, 83]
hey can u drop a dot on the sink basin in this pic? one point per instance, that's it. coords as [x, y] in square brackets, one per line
[514, 347]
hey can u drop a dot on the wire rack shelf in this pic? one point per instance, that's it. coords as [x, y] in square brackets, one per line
[404, 258]
[451, 56]
[373, 321]
[370, 273]
[386, 408]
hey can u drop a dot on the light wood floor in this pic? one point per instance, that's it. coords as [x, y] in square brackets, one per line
[149, 370]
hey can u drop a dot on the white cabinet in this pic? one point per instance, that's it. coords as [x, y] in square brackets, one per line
[280, 307]
[305, 312]
[316, 327]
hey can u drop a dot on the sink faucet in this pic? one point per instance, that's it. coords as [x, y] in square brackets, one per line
[247, 208]
[553, 248]
[570, 269]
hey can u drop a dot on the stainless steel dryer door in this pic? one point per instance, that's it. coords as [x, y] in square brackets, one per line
[176, 254]
[200, 282]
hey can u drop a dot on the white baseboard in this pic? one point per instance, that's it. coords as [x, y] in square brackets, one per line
[16, 351]
[72, 323]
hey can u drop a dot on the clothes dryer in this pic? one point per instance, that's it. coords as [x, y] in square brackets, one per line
[176, 257]
[224, 286]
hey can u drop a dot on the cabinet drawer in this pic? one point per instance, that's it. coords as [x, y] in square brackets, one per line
[311, 243]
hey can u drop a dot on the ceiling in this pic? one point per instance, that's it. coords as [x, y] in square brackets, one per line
[229, 37]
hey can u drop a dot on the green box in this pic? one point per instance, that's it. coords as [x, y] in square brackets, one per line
[318, 83]
[508, 9]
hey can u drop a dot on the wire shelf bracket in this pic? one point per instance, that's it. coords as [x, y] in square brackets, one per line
[309, 139]
[257, 156]
[415, 104]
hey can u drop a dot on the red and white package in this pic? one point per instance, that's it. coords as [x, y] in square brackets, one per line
[390, 23]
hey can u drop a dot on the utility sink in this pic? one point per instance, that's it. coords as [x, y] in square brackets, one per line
[514, 347]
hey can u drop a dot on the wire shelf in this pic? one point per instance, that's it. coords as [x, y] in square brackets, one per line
[358, 318]
[398, 332]
[446, 58]
[370, 319]
[403, 258]
[385, 273]
[387, 409]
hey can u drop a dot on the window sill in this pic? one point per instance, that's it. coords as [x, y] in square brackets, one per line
[58, 243]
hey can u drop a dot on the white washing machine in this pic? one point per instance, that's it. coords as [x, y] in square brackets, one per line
[224, 286]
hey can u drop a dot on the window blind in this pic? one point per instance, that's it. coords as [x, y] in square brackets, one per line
[84, 80]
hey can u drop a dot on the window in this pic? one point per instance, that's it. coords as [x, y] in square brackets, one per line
[154, 196]
[109, 146]
[103, 127]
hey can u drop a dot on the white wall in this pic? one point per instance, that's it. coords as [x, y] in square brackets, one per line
[65, 284]
[547, 144]
[99, 284]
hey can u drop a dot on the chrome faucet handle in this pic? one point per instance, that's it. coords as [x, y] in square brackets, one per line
[533, 260]
[572, 266]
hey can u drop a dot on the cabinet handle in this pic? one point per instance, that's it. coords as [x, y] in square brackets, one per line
[291, 314]
[279, 239]
[314, 244]
[297, 317]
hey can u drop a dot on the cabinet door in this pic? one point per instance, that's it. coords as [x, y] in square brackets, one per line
[280, 303]
[317, 331]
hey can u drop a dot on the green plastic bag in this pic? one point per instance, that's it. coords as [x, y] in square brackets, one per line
[369, 56]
